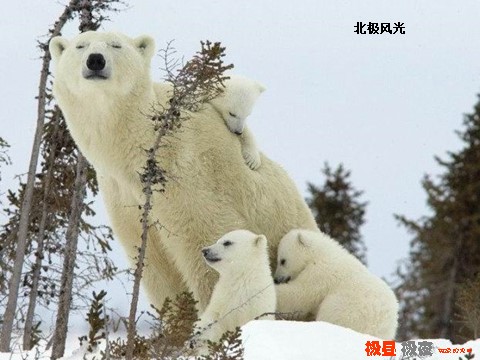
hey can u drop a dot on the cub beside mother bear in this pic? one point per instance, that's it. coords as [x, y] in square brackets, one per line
[104, 88]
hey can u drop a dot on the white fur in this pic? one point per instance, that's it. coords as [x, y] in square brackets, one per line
[210, 190]
[326, 282]
[245, 289]
[235, 104]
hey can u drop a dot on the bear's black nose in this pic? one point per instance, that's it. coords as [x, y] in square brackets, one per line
[96, 62]
[205, 251]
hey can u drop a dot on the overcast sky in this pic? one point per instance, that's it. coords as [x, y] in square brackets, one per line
[383, 105]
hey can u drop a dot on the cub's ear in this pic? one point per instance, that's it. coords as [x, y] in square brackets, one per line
[260, 88]
[260, 240]
[145, 45]
[301, 240]
[56, 46]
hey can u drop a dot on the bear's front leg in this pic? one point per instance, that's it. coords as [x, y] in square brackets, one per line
[294, 302]
[250, 152]
[186, 252]
[160, 277]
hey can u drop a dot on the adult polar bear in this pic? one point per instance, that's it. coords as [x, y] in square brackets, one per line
[103, 86]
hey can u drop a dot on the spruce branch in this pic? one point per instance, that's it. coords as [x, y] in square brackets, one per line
[96, 319]
[4, 157]
[228, 347]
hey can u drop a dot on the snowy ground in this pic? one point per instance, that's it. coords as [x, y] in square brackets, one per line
[284, 340]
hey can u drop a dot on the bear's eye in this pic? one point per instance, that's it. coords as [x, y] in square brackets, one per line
[227, 243]
[283, 262]
[80, 46]
[231, 114]
[116, 46]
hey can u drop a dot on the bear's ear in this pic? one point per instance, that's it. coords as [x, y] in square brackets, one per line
[301, 240]
[56, 46]
[145, 45]
[260, 240]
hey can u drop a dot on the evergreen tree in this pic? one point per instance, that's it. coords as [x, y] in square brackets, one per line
[338, 210]
[469, 305]
[445, 249]
[49, 210]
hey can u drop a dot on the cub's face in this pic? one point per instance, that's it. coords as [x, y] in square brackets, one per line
[235, 250]
[236, 102]
[293, 257]
[239, 104]
[98, 60]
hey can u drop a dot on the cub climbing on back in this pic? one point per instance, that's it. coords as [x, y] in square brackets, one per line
[235, 104]
[318, 277]
[245, 289]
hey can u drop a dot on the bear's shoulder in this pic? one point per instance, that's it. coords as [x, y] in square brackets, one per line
[163, 92]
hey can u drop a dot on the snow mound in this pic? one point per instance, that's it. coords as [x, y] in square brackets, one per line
[290, 340]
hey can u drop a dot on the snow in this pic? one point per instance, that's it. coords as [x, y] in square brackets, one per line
[286, 340]
[282, 340]
[273, 340]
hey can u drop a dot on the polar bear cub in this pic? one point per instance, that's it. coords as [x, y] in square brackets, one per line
[235, 104]
[316, 275]
[245, 289]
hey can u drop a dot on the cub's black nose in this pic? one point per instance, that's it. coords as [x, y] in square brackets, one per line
[205, 252]
[96, 62]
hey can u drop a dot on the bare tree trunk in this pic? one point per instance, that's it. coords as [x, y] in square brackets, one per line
[66, 283]
[150, 172]
[32, 302]
[14, 285]
[132, 326]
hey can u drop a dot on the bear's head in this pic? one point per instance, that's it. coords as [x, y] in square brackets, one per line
[95, 62]
[236, 250]
[236, 102]
[294, 254]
